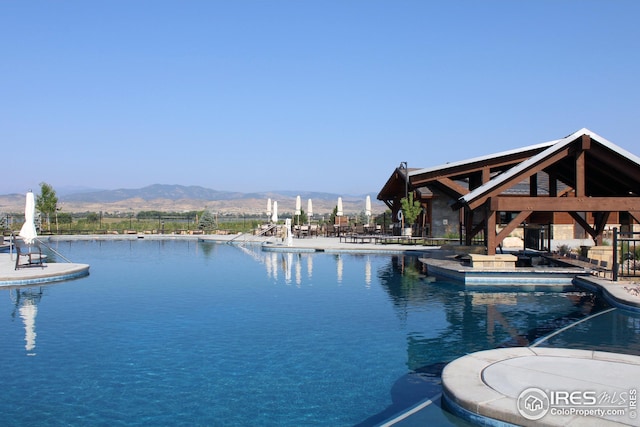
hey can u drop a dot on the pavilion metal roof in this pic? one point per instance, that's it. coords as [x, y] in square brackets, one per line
[555, 147]
[480, 159]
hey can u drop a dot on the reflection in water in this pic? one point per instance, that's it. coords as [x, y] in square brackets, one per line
[292, 264]
[26, 302]
[443, 320]
[298, 271]
[274, 265]
[614, 330]
[463, 321]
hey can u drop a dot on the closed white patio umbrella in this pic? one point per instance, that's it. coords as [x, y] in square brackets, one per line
[367, 208]
[28, 230]
[309, 211]
[274, 215]
[269, 207]
[339, 214]
[298, 209]
[298, 205]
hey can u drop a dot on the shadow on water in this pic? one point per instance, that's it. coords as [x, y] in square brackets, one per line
[463, 322]
[408, 391]
[585, 305]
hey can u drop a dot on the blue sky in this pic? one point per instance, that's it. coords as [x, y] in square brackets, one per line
[302, 95]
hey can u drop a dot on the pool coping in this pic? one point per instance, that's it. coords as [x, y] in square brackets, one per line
[613, 292]
[484, 387]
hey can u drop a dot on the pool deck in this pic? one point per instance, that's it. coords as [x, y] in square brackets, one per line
[452, 268]
[490, 386]
[487, 387]
[37, 274]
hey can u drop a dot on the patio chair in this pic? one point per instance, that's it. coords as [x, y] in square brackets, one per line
[28, 255]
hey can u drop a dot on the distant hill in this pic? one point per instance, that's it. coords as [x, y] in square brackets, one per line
[152, 192]
[163, 197]
[191, 192]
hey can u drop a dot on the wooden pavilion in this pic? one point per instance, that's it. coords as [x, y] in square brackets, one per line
[581, 179]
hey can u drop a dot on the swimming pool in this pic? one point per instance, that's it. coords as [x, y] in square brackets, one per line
[175, 332]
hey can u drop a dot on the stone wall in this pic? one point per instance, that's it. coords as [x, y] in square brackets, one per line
[445, 221]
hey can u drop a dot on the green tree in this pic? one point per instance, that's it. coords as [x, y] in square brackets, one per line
[47, 201]
[64, 218]
[302, 217]
[410, 210]
[207, 221]
[92, 217]
[334, 214]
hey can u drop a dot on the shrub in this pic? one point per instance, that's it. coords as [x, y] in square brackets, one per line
[564, 250]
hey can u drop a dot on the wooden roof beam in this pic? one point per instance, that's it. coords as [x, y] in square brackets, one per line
[513, 224]
[609, 158]
[463, 171]
[566, 204]
[456, 188]
[584, 224]
[520, 177]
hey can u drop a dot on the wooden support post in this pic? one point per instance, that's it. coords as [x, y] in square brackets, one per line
[580, 167]
[491, 229]
[533, 185]
[553, 186]
[486, 175]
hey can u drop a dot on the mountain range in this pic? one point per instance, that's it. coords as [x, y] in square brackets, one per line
[175, 198]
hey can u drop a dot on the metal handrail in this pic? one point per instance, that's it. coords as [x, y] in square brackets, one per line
[262, 233]
[54, 251]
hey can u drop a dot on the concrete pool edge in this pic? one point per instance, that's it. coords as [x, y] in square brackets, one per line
[470, 276]
[33, 275]
[484, 386]
[613, 292]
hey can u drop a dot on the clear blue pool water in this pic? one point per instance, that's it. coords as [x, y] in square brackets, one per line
[186, 333]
